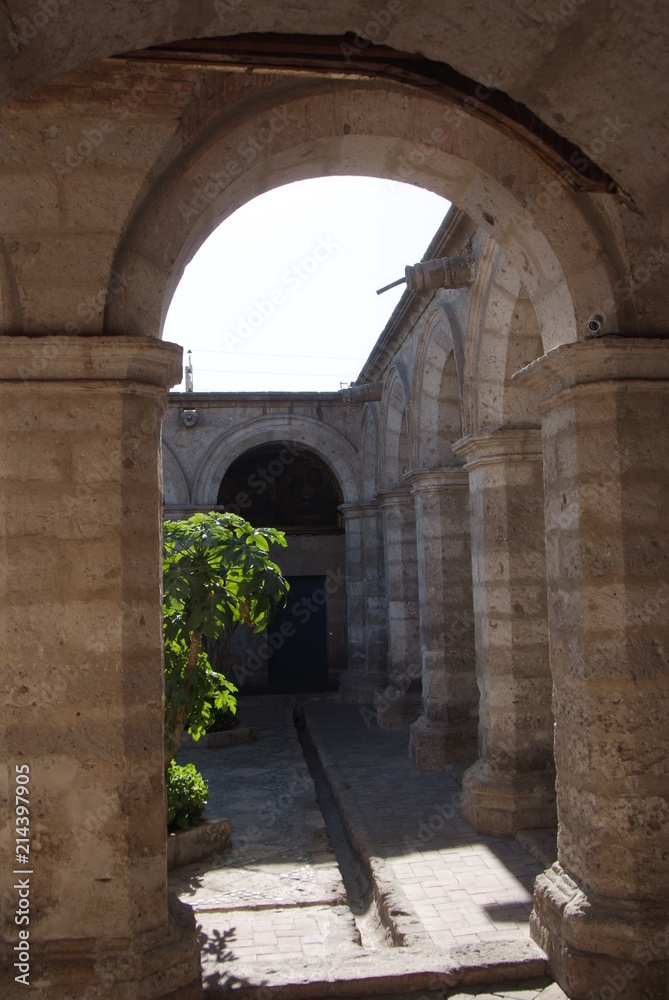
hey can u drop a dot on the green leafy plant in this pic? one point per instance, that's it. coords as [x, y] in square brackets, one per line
[217, 574]
[187, 796]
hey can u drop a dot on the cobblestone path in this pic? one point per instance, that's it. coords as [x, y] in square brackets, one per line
[273, 911]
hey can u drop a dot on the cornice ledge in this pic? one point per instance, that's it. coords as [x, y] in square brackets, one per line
[396, 495]
[62, 358]
[507, 444]
[362, 509]
[439, 478]
[604, 359]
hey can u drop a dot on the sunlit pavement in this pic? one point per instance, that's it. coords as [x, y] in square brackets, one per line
[451, 907]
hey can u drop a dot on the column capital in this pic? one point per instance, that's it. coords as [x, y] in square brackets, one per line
[62, 358]
[394, 497]
[506, 444]
[356, 510]
[606, 359]
[453, 477]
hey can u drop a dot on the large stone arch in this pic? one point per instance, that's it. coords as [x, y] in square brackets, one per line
[369, 451]
[436, 395]
[340, 456]
[502, 337]
[559, 242]
[394, 436]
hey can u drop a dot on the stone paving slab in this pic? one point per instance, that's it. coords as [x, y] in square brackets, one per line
[272, 910]
[458, 887]
[346, 973]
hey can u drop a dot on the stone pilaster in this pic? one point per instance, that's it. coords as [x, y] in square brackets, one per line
[512, 785]
[400, 703]
[81, 640]
[366, 671]
[446, 732]
[602, 911]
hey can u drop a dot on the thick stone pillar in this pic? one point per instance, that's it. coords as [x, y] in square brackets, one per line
[367, 647]
[82, 676]
[512, 785]
[400, 703]
[446, 732]
[602, 911]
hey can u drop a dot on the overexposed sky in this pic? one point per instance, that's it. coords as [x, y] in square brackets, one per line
[282, 296]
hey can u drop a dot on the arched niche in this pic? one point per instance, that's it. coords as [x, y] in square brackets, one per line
[394, 438]
[436, 394]
[370, 450]
[175, 487]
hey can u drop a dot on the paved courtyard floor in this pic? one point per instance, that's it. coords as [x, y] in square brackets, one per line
[394, 896]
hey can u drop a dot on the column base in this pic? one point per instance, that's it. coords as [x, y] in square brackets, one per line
[399, 712]
[595, 953]
[162, 964]
[497, 803]
[435, 746]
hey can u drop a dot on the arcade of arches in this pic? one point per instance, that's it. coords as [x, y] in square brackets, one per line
[501, 467]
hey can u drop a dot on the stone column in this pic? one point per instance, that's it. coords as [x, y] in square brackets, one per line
[366, 671]
[512, 785]
[446, 732]
[400, 703]
[81, 640]
[376, 632]
[602, 911]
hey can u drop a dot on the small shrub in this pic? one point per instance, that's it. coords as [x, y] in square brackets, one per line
[187, 796]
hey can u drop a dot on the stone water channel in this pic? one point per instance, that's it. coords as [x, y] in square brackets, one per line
[290, 910]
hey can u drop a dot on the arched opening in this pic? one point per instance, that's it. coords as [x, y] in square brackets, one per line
[287, 486]
[283, 486]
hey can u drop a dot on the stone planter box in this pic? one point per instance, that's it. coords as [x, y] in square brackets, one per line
[229, 738]
[190, 846]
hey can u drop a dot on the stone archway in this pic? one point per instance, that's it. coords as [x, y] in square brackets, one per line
[324, 441]
[312, 129]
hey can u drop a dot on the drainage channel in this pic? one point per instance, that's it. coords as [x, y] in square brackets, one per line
[356, 876]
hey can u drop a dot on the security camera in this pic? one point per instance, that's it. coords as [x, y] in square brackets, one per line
[189, 418]
[594, 324]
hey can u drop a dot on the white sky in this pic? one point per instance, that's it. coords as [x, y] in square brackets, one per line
[282, 296]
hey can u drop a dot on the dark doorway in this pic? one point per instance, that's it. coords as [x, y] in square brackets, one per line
[300, 662]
